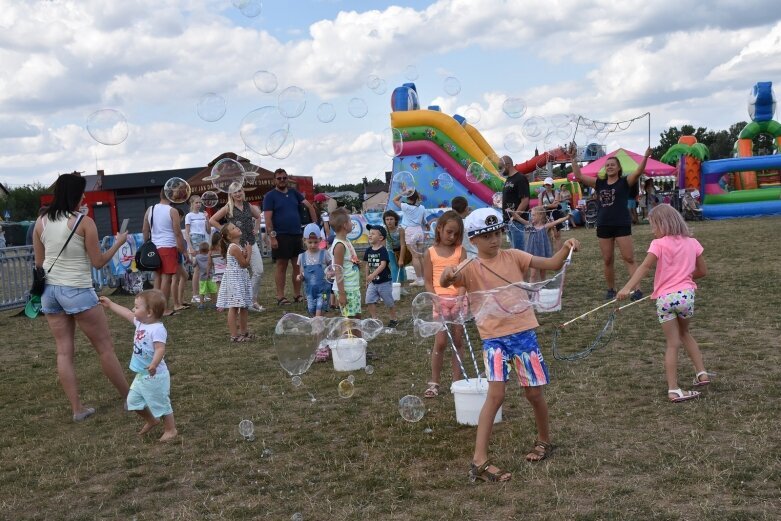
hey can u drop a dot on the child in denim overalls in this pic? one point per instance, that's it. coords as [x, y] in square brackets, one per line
[313, 263]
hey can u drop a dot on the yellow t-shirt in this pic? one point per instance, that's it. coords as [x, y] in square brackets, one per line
[510, 265]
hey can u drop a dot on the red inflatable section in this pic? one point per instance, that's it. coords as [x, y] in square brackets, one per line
[557, 155]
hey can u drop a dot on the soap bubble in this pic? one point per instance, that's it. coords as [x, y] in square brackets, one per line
[298, 516]
[475, 173]
[247, 430]
[227, 175]
[249, 8]
[209, 199]
[263, 129]
[107, 126]
[211, 107]
[496, 199]
[411, 408]
[296, 338]
[513, 142]
[473, 115]
[534, 128]
[452, 86]
[176, 190]
[411, 72]
[445, 181]
[371, 328]
[369, 369]
[357, 108]
[346, 389]
[514, 107]
[351, 379]
[560, 120]
[292, 102]
[334, 273]
[372, 81]
[265, 81]
[326, 113]
[296, 381]
[404, 182]
[381, 87]
[391, 142]
[421, 245]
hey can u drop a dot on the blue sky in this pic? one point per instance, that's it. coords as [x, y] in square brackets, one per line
[152, 61]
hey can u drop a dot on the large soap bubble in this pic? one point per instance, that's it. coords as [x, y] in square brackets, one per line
[371, 328]
[227, 175]
[209, 199]
[421, 245]
[411, 408]
[265, 81]
[514, 107]
[176, 190]
[475, 173]
[346, 389]
[251, 8]
[534, 128]
[391, 142]
[211, 107]
[264, 130]
[411, 72]
[404, 182]
[107, 126]
[284, 150]
[473, 115]
[296, 338]
[334, 273]
[452, 86]
[357, 108]
[445, 181]
[326, 113]
[292, 102]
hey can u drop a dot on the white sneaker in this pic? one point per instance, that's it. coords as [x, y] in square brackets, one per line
[195, 300]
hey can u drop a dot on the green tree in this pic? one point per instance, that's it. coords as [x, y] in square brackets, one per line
[23, 202]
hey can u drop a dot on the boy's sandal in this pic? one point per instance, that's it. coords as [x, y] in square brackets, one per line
[432, 391]
[283, 301]
[483, 474]
[299, 298]
[699, 382]
[540, 451]
[682, 396]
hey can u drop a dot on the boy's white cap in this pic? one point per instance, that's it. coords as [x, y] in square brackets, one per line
[548, 181]
[310, 229]
[483, 220]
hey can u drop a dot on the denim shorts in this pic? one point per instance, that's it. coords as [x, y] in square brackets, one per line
[67, 299]
[377, 292]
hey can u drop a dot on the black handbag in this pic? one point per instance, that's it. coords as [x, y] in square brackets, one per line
[39, 275]
[147, 256]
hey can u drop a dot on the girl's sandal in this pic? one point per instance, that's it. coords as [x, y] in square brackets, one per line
[540, 451]
[237, 339]
[483, 474]
[299, 298]
[676, 395]
[248, 336]
[699, 382]
[283, 301]
[432, 391]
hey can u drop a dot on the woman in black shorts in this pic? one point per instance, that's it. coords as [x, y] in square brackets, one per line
[614, 224]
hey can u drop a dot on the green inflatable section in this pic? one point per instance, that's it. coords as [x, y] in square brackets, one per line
[744, 196]
[756, 128]
[425, 133]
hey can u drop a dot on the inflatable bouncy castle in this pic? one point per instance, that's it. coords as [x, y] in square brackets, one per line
[746, 185]
[448, 157]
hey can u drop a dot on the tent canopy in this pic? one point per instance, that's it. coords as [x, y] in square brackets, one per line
[629, 161]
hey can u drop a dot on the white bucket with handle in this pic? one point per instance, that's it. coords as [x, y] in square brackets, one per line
[396, 291]
[409, 271]
[348, 354]
[469, 397]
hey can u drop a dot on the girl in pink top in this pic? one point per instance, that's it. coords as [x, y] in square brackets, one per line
[678, 260]
[446, 251]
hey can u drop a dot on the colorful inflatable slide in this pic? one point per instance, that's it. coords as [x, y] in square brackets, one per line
[438, 150]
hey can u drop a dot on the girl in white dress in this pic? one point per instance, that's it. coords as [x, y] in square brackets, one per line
[235, 290]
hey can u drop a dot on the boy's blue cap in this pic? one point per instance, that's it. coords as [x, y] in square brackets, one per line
[310, 229]
[378, 227]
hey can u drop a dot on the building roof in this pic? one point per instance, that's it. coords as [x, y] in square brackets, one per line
[346, 193]
[155, 178]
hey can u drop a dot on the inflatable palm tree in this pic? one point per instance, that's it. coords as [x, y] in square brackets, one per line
[689, 154]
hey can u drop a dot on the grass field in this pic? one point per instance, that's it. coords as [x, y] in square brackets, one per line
[622, 452]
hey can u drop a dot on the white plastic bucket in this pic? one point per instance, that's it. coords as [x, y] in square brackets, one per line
[548, 301]
[348, 354]
[409, 271]
[470, 397]
[396, 290]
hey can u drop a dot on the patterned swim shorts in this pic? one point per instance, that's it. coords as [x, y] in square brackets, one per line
[675, 304]
[523, 352]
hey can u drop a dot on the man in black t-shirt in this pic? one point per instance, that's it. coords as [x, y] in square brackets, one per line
[515, 198]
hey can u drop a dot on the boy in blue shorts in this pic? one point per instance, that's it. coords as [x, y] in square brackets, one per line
[507, 342]
[378, 274]
[149, 392]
